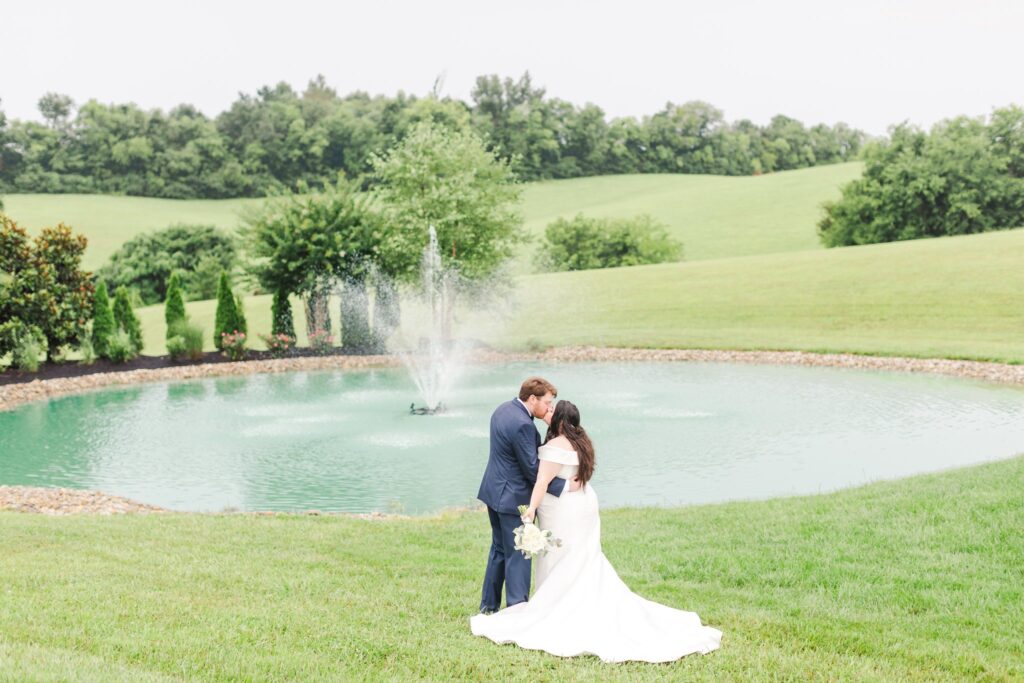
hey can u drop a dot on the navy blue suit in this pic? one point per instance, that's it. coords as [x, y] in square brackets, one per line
[508, 483]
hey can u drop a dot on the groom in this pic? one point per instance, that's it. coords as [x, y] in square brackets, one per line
[508, 483]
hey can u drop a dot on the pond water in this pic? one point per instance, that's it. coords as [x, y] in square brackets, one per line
[665, 434]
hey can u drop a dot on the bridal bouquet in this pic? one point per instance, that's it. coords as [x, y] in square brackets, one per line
[532, 540]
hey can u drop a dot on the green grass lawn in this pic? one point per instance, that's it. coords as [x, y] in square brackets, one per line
[960, 297]
[919, 579]
[110, 221]
[715, 216]
[946, 297]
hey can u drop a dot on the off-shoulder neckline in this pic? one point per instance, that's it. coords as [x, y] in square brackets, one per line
[559, 448]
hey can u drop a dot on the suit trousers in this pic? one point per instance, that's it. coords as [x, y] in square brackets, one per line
[505, 564]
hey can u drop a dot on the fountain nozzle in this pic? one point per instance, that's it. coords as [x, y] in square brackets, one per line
[413, 410]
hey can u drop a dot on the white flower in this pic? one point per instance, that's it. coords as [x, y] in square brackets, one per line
[531, 540]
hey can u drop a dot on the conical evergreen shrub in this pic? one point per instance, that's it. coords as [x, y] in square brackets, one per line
[102, 321]
[174, 305]
[226, 320]
[125, 317]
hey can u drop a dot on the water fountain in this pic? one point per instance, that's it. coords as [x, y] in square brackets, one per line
[436, 360]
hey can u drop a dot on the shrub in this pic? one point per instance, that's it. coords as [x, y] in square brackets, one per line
[102, 322]
[176, 347]
[278, 344]
[174, 305]
[586, 243]
[126, 319]
[120, 347]
[88, 352]
[26, 342]
[242, 325]
[233, 345]
[321, 341]
[227, 320]
[42, 285]
[192, 339]
[146, 262]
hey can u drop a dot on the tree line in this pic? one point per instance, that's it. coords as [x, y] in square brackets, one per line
[280, 138]
[964, 176]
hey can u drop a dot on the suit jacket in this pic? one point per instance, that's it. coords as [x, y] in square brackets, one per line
[512, 464]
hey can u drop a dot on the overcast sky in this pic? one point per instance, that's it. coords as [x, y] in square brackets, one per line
[869, 63]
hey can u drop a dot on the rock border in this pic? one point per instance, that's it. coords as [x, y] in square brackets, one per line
[60, 501]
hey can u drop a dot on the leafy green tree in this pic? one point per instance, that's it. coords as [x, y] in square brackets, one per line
[103, 325]
[447, 180]
[24, 297]
[963, 177]
[174, 305]
[305, 243]
[69, 287]
[126, 319]
[56, 109]
[145, 263]
[226, 320]
[43, 285]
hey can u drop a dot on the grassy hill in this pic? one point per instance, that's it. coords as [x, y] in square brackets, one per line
[947, 297]
[912, 580]
[110, 221]
[951, 296]
[715, 216]
[755, 275]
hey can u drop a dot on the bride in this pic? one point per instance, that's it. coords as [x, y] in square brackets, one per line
[580, 604]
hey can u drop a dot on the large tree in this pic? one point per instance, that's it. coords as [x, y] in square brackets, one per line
[446, 180]
[964, 176]
[43, 284]
[308, 243]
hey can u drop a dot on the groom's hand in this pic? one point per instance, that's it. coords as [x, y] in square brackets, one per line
[574, 484]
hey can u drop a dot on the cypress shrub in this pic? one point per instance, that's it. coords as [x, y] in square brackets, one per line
[226, 320]
[126, 319]
[174, 306]
[102, 322]
[241, 324]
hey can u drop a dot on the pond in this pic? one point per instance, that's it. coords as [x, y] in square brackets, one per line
[665, 434]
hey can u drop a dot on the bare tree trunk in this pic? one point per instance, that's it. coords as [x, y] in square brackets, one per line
[355, 316]
[318, 314]
[386, 313]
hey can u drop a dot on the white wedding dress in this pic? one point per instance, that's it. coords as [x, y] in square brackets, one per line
[581, 606]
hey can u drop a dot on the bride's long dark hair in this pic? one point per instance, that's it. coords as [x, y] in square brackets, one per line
[566, 422]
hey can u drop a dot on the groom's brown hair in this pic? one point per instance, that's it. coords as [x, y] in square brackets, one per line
[536, 386]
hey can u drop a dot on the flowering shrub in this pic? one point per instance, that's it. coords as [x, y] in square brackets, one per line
[233, 344]
[278, 344]
[321, 341]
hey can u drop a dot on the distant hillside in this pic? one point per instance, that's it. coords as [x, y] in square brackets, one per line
[715, 216]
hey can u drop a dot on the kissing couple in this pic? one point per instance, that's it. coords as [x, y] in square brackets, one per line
[580, 605]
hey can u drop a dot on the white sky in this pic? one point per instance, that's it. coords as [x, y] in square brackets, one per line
[869, 63]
